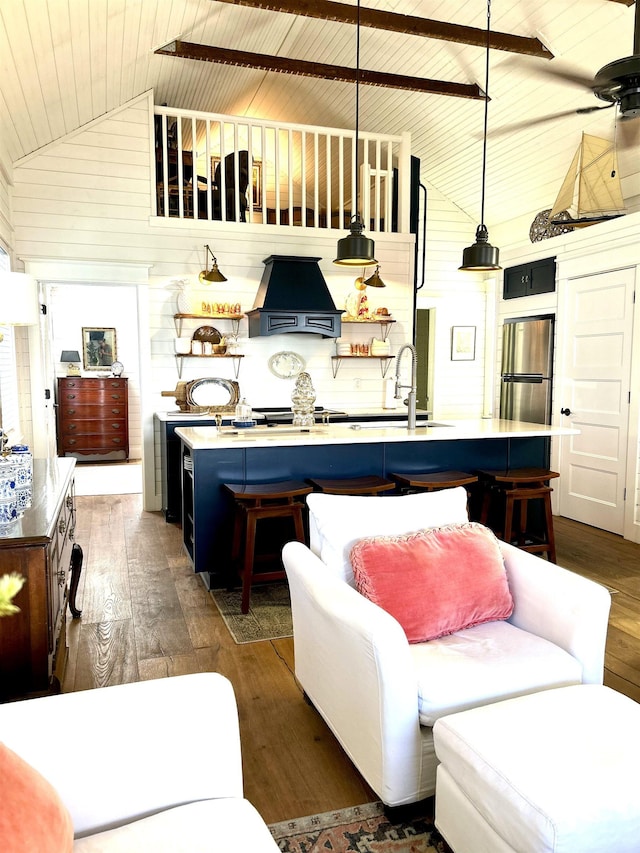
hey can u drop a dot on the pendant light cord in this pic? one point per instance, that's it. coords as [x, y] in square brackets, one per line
[486, 111]
[357, 105]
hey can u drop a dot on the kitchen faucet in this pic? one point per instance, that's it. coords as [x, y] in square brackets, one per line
[411, 396]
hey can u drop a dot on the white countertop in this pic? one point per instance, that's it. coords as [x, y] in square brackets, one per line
[209, 437]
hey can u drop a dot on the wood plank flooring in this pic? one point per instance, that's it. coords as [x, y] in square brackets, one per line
[146, 615]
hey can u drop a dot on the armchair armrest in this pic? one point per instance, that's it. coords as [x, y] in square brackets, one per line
[353, 661]
[561, 606]
[136, 746]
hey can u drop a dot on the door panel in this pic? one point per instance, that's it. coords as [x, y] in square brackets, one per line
[595, 372]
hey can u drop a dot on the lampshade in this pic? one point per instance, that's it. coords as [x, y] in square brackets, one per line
[70, 355]
[482, 255]
[375, 280]
[19, 304]
[356, 250]
[213, 274]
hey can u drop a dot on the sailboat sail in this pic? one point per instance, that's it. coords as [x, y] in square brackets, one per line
[591, 188]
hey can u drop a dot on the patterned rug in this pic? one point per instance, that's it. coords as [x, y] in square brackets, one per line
[362, 829]
[269, 616]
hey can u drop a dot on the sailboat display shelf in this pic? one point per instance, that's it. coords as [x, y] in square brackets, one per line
[590, 192]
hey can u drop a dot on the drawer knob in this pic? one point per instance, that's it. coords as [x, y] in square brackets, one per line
[71, 411]
[115, 411]
[69, 502]
[61, 577]
[73, 426]
[116, 440]
[115, 396]
[71, 396]
[62, 525]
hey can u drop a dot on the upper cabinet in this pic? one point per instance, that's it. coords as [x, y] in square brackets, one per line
[529, 279]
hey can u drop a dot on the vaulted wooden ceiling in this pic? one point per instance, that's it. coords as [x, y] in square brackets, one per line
[63, 64]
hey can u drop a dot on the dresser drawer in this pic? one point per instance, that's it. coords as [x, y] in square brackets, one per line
[97, 428]
[101, 396]
[93, 442]
[82, 411]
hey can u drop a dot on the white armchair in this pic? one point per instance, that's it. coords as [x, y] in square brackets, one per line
[354, 662]
[136, 770]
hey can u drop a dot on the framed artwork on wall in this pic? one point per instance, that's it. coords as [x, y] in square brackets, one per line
[98, 347]
[463, 343]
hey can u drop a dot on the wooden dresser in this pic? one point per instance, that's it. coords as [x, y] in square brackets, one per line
[93, 422]
[38, 546]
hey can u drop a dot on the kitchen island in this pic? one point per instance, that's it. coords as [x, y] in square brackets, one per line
[211, 457]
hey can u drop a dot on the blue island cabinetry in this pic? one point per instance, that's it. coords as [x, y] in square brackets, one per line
[210, 459]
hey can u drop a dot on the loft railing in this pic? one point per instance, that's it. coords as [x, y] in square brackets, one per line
[226, 168]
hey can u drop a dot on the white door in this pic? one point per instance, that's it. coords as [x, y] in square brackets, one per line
[594, 397]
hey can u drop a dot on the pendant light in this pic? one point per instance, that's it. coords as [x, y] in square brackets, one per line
[482, 255]
[213, 274]
[356, 250]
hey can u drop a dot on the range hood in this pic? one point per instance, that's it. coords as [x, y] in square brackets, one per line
[293, 297]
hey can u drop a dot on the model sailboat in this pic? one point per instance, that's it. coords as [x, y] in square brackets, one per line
[591, 190]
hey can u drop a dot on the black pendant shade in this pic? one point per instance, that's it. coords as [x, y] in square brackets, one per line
[355, 250]
[482, 255]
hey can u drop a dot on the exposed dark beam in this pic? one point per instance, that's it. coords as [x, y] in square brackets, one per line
[245, 59]
[624, 2]
[377, 19]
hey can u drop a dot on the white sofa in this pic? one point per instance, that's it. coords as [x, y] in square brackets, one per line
[149, 767]
[354, 662]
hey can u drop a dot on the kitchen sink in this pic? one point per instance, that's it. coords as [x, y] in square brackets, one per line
[394, 425]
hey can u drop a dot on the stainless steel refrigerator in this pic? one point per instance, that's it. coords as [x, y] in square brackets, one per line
[527, 369]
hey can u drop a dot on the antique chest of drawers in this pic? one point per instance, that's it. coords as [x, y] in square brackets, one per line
[93, 418]
[39, 547]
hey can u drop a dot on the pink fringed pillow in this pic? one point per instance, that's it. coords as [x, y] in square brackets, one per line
[435, 582]
[33, 818]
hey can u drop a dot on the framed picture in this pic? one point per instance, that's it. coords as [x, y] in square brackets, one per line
[98, 348]
[463, 343]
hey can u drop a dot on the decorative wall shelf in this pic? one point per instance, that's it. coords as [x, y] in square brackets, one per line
[384, 324]
[236, 360]
[385, 360]
[235, 320]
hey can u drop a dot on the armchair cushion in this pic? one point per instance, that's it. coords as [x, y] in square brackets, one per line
[435, 582]
[32, 815]
[484, 664]
[337, 522]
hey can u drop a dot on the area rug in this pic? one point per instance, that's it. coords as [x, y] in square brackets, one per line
[269, 616]
[362, 829]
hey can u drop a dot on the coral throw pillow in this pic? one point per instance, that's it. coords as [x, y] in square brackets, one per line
[33, 818]
[435, 582]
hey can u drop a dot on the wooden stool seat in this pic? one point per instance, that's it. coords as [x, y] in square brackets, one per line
[371, 485]
[254, 502]
[435, 481]
[519, 486]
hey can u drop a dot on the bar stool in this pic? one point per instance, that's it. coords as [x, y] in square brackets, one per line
[256, 501]
[370, 485]
[434, 481]
[519, 486]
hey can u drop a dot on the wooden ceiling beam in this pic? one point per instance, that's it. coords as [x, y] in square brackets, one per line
[283, 65]
[378, 19]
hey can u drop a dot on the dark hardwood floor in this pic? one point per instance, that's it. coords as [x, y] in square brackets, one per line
[146, 615]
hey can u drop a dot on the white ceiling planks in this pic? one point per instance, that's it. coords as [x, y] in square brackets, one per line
[64, 63]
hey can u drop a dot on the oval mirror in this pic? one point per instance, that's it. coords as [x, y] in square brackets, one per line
[214, 393]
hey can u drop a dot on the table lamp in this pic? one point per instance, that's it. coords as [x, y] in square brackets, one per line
[72, 357]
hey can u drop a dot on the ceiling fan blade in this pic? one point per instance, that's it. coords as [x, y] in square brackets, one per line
[532, 122]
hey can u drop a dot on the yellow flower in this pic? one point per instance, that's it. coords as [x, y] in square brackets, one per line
[10, 586]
